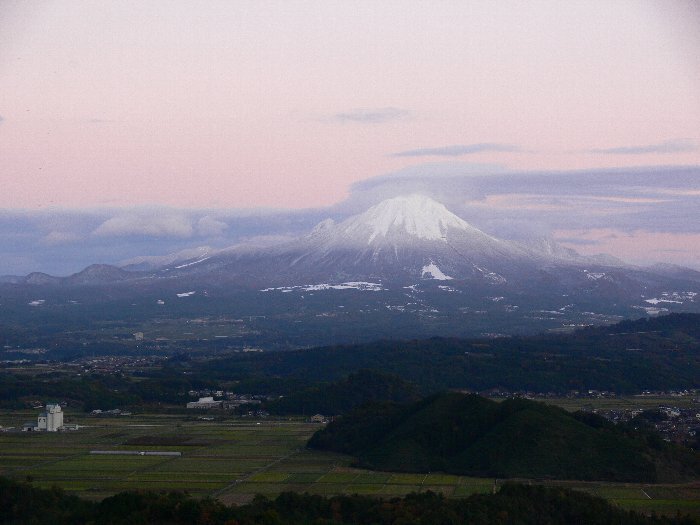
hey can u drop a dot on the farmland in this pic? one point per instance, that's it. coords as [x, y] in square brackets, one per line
[235, 458]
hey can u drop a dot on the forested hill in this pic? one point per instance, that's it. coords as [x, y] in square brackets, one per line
[342, 396]
[658, 354]
[517, 438]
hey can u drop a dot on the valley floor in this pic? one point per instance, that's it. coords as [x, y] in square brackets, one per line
[235, 458]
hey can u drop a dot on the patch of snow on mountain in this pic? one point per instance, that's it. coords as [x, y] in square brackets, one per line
[649, 310]
[397, 308]
[594, 276]
[657, 301]
[354, 285]
[192, 263]
[431, 271]
[674, 297]
[358, 285]
[185, 294]
[156, 261]
[493, 277]
[37, 302]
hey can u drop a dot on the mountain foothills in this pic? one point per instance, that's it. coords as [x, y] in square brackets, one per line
[340, 397]
[516, 438]
[659, 353]
[406, 267]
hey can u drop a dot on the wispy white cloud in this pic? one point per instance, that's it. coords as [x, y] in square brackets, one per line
[149, 224]
[45, 240]
[372, 115]
[60, 237]
[208, 226]
[456, 150]
[669, 146]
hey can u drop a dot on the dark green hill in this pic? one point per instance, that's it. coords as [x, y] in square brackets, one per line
[468, 434]
[342, 396]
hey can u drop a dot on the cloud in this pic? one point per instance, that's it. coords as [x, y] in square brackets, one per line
[510, 203]
[46, 240]
[150, 224]
[670, 146]
[372, 115]
[456, 150]
[208, 226]
[60, 237]
[657, 200]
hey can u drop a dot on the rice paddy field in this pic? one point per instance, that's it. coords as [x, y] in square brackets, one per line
[235, 458]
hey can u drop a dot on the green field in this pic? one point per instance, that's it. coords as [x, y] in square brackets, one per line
[235, 459]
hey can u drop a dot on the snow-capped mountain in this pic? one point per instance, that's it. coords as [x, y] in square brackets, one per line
[395, 240]
[402, 239]
[406, 267]
[398, 237]
[393, 220]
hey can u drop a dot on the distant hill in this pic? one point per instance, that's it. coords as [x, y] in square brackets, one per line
[658, 353]
[468, 434]
[344, 395]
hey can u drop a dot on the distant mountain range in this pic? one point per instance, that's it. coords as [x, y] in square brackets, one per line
[413, 265]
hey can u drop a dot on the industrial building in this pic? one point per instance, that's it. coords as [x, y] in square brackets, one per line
[49, 421]
[204, 403]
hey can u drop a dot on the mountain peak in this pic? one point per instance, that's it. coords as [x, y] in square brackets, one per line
[416, 215]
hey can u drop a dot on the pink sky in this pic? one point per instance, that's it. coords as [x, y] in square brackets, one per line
[285, 104]
[638, 246]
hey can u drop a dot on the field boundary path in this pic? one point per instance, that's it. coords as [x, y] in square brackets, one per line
[245, 478]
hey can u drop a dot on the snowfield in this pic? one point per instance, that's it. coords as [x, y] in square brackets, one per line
[355, 285]
[431, 271]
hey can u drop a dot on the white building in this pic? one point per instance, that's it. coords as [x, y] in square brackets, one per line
[52, 419]
[204, 402]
